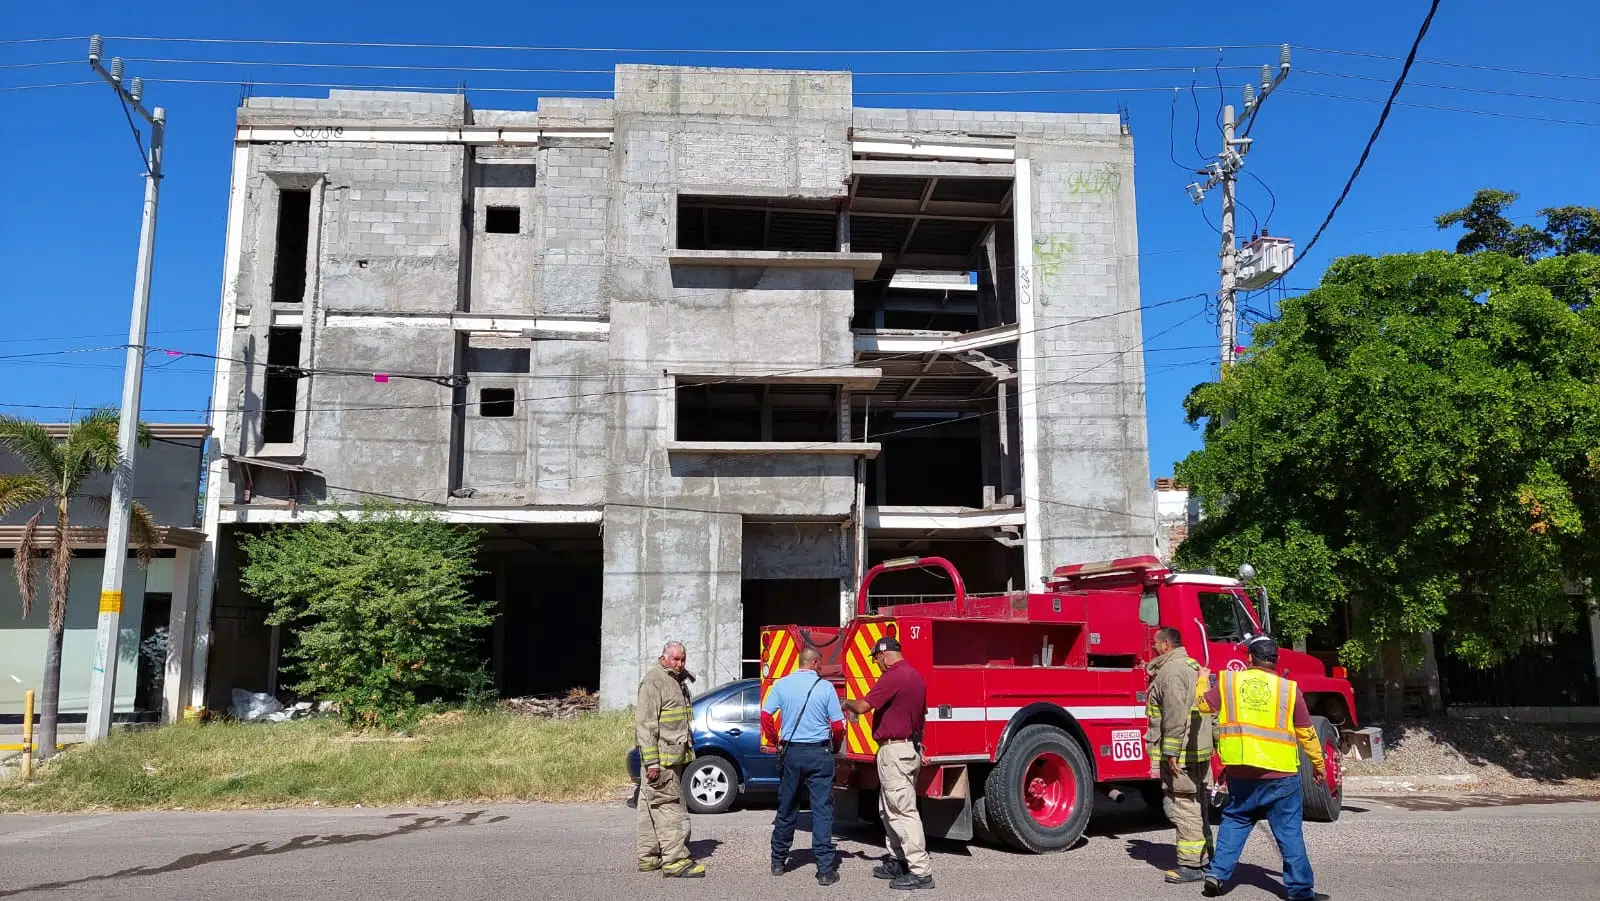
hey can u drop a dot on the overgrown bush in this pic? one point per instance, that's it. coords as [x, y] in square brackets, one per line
[378, 603]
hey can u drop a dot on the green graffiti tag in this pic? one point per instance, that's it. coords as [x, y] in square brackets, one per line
[1051, 253]
[1098, 181]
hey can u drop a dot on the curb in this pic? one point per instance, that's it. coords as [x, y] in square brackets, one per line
[1408, 783]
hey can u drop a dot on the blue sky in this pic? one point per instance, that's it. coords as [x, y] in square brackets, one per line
[70, 225]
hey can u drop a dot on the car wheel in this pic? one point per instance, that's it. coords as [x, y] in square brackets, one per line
[710, 785]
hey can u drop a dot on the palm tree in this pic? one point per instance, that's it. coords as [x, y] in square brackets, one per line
[54, 478]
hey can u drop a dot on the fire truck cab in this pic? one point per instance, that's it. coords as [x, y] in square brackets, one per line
[1036, 700]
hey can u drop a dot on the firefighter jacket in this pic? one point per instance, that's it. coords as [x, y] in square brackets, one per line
[662, 719]
[1177, 726]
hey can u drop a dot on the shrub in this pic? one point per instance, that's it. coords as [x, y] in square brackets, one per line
[379, 608]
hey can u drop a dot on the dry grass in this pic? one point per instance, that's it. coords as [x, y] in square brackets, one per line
[465, 757]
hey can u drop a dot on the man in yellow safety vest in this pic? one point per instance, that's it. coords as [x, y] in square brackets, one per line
[1262, 725]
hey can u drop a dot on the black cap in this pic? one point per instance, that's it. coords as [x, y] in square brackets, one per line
[886, 643]
[1263, 649]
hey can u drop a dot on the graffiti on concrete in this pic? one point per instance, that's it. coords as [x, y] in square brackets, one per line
[1050, 253]
[1100, 180]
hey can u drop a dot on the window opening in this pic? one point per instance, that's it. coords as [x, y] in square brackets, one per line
[497, 402]
[503, 220]
[282, 387]
[294, 236]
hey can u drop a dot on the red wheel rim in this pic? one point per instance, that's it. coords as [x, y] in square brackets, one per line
[1049, 790]
[1330, 759]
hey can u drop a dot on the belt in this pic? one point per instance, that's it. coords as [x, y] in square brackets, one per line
[893, 741]
[805, 744]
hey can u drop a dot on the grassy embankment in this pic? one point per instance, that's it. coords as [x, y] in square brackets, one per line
[453, 757]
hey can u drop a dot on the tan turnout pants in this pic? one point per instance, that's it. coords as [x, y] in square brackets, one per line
[1188, 814]
[898, 763]
[660, 822]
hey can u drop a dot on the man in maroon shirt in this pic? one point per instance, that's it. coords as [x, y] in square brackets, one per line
[899, 700]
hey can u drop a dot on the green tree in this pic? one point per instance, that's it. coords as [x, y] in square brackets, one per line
[1568, 229]
[380, 606]
[1419, 437]
[53, 478]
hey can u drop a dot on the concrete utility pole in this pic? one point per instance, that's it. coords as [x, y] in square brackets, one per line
[102, 687]
[1224, 172]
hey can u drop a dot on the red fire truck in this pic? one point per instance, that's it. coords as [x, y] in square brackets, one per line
[1036, 700]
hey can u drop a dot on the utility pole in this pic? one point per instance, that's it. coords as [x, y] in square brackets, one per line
[1224, 172]
[102, 686]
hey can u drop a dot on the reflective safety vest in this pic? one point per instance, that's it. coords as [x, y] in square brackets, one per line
[1255, 726]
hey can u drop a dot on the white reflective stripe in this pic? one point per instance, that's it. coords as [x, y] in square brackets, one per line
[1003, 714]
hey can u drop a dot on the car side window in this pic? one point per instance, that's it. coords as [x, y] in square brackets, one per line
[752, 705]
[729, 709]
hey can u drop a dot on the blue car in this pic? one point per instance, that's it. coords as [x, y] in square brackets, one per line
[728, 760]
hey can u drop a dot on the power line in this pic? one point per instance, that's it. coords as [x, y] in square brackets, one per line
[1447, 109]
[1366, 151]
[1455, 87]
[1455, 65]
[721, 51]
[757, 378]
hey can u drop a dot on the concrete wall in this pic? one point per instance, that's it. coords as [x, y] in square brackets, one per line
[710, 131]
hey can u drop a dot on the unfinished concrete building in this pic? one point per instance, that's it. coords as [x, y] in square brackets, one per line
[693, 357]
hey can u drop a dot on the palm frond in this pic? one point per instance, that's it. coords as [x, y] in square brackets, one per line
[21, 490]
[60, 574]
[39, 452]
[26, 562]
[92, 445]
[142, 532]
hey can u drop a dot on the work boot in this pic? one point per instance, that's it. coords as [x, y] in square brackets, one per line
[1314, 896]
[687, 868]
[910, 881]
[1213, 888]
[827, 878]
[891, 868]
[1180, 874]
[649, 864]
[778, 868]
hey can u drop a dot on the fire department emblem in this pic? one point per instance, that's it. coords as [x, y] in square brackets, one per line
[1255, 695]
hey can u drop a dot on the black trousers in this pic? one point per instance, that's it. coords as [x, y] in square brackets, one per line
[811, 766]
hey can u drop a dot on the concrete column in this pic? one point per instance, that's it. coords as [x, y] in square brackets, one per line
[179, 675]
[1028, 378]
[670, 575]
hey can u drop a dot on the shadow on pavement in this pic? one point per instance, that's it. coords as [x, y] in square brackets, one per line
[1164, 856]
[265, 849]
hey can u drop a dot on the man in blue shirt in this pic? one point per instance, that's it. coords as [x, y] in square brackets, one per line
[802, 718]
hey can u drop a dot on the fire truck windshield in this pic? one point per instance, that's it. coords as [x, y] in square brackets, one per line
[1226, 619]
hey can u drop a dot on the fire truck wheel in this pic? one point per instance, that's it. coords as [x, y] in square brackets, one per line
[1038, 797]
[1323, 800]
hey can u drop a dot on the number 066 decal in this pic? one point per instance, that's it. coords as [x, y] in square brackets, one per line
[1127, 744]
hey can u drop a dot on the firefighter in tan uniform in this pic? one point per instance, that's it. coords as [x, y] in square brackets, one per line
[1179, 745]
[661, 722]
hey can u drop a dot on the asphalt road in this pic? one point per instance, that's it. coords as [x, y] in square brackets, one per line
[1408, 848]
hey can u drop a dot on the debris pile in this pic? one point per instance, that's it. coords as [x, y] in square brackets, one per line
[567, 706]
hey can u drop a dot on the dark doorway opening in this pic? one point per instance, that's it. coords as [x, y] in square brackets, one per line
[776, 602]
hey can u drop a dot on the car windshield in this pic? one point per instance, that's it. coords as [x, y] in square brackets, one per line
[1226, 619]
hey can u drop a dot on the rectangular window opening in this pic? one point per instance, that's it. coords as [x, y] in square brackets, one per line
[497, 402]
[503, 220]
[756, 223]
[282, 388]
[757, 412]
[294, 237]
